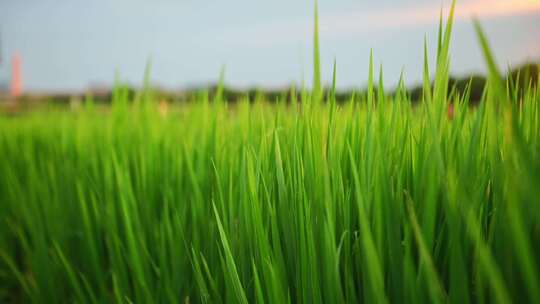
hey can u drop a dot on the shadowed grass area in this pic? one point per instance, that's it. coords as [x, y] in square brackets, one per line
[310, 202]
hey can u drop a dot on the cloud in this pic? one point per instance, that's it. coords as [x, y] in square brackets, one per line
[358, 22]
[497, 8]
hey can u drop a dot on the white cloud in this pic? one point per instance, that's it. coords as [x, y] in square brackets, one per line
[358, 22]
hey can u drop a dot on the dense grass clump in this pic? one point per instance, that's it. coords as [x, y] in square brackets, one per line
[373, 201]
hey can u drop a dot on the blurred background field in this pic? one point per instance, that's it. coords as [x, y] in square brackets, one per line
[53, 50]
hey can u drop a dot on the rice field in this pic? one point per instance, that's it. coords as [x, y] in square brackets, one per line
[373, 201]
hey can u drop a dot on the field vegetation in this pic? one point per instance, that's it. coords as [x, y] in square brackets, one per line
[309, 201]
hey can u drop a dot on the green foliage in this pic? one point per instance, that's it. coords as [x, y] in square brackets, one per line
[373, 201]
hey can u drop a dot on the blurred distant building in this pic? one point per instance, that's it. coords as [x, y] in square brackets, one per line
[12, 88]
[16, 76]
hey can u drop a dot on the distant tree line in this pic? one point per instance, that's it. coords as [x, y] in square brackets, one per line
[520, 77]
[523, 76]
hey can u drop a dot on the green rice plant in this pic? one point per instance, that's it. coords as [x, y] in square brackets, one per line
[375, 200]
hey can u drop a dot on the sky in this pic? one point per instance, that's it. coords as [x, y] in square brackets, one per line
[78, 44]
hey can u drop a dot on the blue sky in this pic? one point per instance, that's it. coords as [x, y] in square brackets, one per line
[75, 44]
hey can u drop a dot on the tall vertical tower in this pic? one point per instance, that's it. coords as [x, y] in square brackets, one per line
[16, 75]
